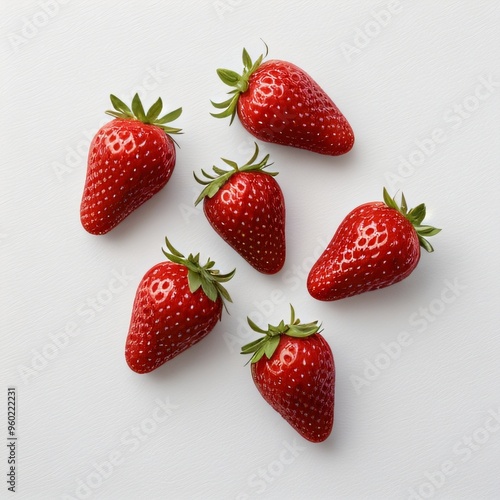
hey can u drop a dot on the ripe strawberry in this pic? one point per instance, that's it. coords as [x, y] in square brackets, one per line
[278, 102]
[176, 305]
[245, 206]
[376, 245]
[130, 159]
[293, 369]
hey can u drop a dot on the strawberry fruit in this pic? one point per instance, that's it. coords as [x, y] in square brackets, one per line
[280, 103]
[131, 158]
[177, 303]
[246, 207]
[376, 245]
[293, 369]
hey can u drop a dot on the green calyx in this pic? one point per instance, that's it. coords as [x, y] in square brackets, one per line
[239, 84]
[205, 276]
[151, 117]
[415, 216]
[213, 183]
[267, 345]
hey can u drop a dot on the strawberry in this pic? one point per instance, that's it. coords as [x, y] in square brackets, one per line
[280, 103]
[130, 159]
[245, 206]
[293, 369]
[376, 245]
[177, 303]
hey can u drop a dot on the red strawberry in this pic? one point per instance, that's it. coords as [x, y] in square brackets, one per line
[376, 245]
[245, 206]
[176, 305]
[293, 369]
[130, 159]
[278, 102]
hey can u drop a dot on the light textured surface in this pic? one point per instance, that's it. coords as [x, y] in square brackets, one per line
[417, 402]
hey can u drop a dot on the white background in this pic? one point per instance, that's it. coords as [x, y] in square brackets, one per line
[420, 83]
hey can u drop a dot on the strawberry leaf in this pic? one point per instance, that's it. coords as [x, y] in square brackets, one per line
[415, 216]
[220, 171]
[425, 244]
[210, 289]
[115, 114]
[229, 77]
[390, 202]
[271, 346]
[154, 111]
[301, 331]
[247, 60]
[258, 353]
[201, 276]
[404, 205]
[194, 280]
[138, 109]
[238, 82]
[222, 105]
[231, 163]
[170, 117]
[254, 327]
[267, 344]
[229, 111]
[120, 106]
[251, 346]
[223, 292]
[172, 249]
[427, 230]
[121, 110]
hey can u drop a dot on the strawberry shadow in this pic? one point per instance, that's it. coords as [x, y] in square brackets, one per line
[392, 305]
[140, 220]
[193, 364]
[296, 159]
